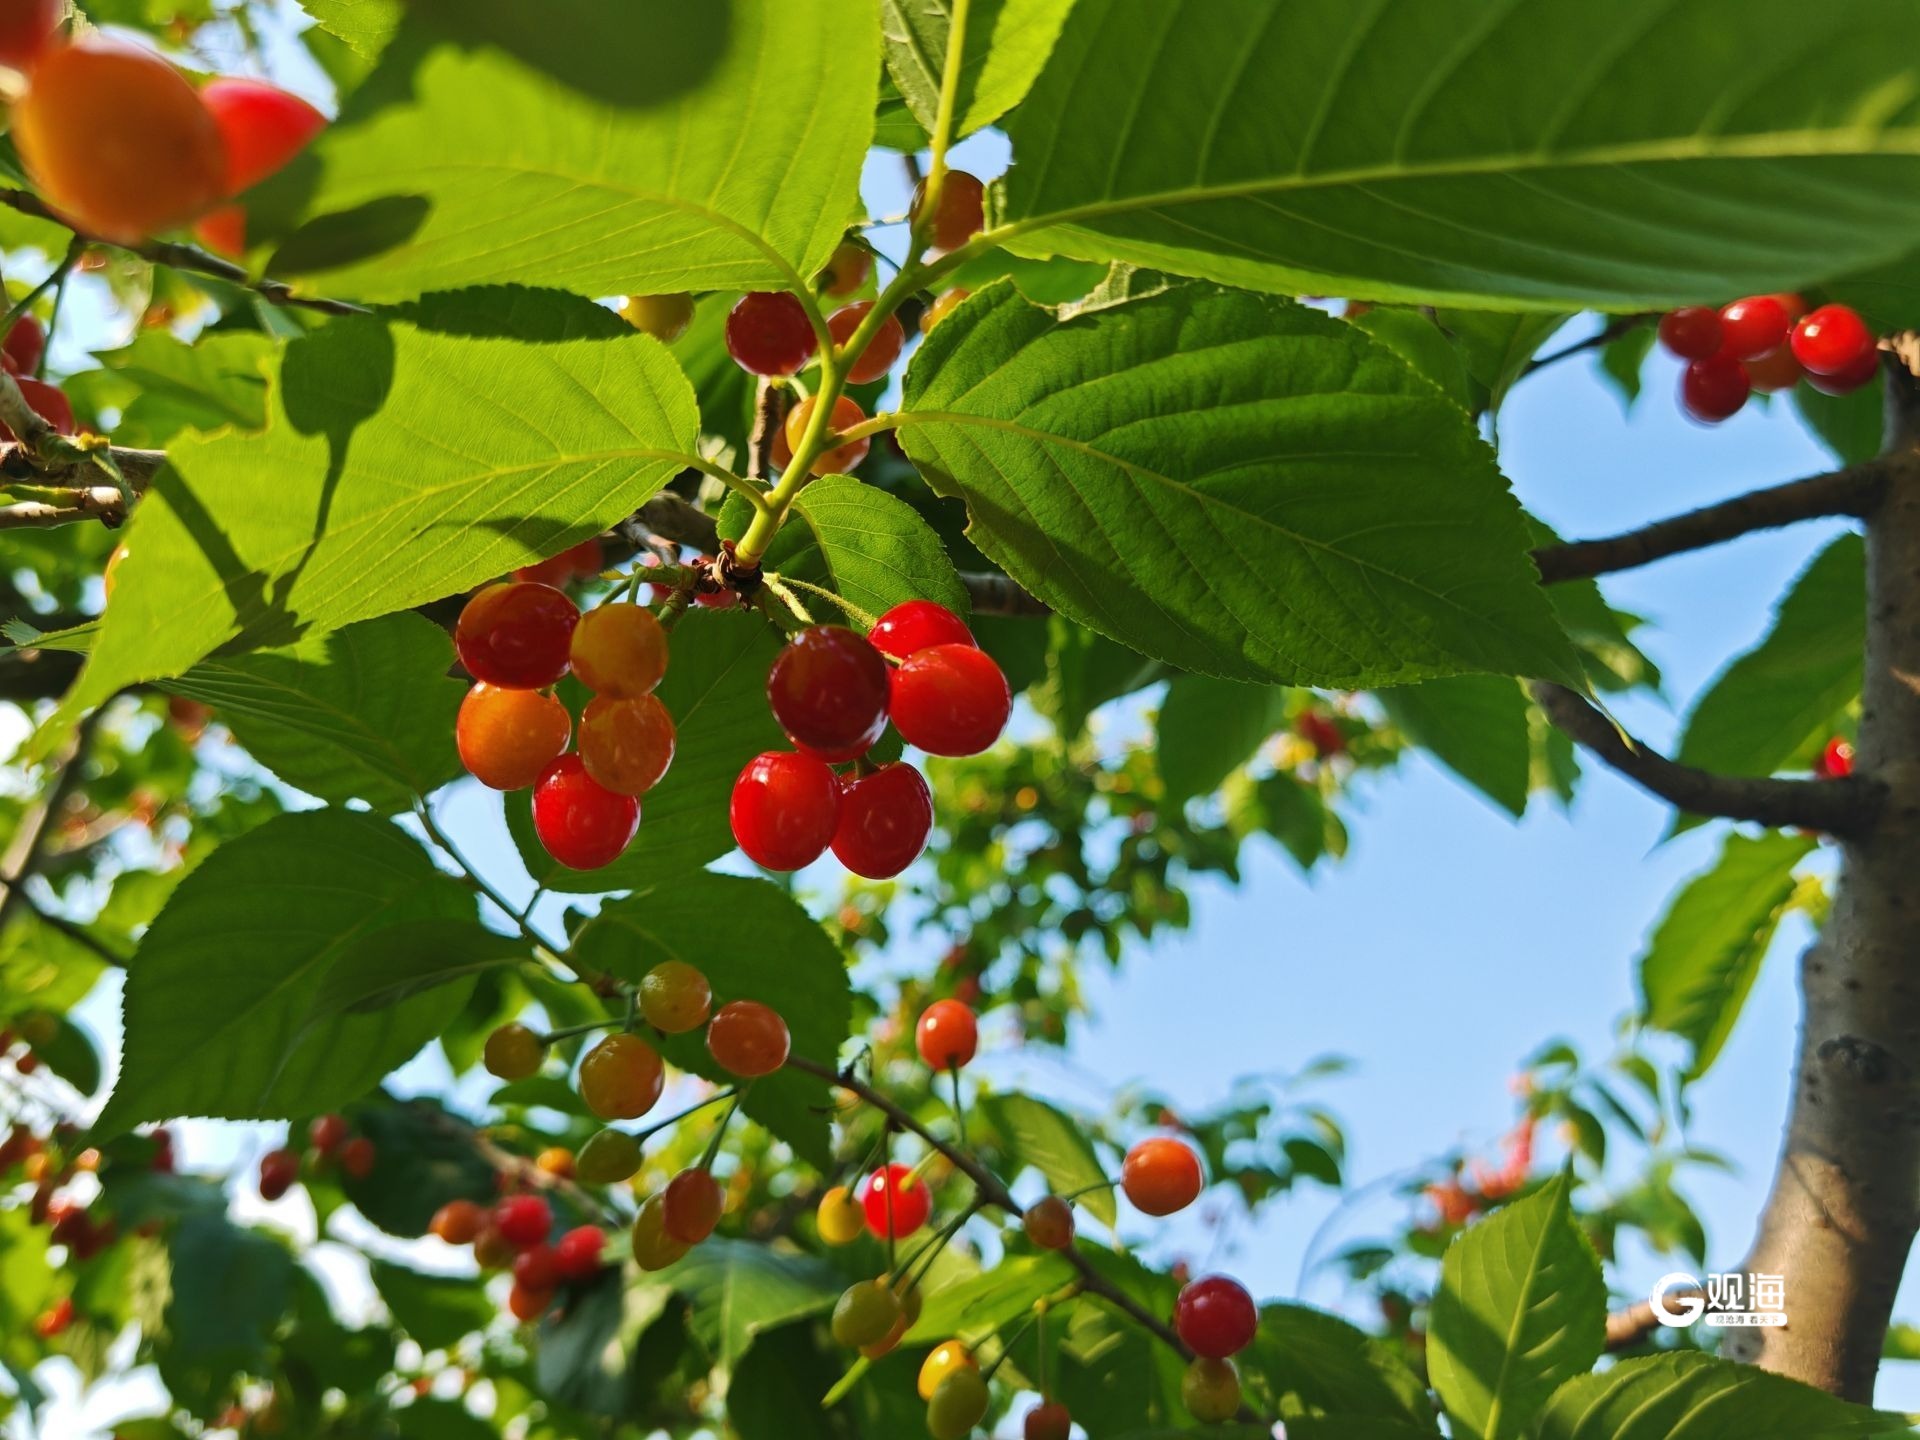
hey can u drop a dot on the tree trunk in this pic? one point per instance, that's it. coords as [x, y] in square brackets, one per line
[1846, 1196]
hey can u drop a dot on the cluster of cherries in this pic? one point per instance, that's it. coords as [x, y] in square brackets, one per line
[123, 145]
[1456, 1201]
[21, 352]
[1214, 1316]
[330, 1141]
[1765, 343]
[833, 692]
[621, 1078]
[517, 639]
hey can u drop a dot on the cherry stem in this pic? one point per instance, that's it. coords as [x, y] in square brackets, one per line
[674, 1119]
[921, 1261]
[943, 121]
[959, 1108]
[477, 882]
[55, 277]
[720, 1130]
[569, 1031]
[1008, 1342]
[1088, 1189]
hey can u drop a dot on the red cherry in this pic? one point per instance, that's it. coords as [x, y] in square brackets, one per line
[1051, 1421]
[55, 1319]
[537, 1267]
[895, 1194]
[1776, 370]
[26, 342]
[748, 1039]
[1753, 326]
[785, 807]
[223, 230]
[916, 625]
[507, 738]
[768, 333]
[327, 1133]
[576, 562]
[947, 1036]
[516, 635]
[278, 1170]
[693, 1204]
[583, 824]
[523, 1221]
[1847, 381]
[950, 700]
[1713, 389]
[885, 821]
[962, 212]
[1693, 332]
[1160, 1175]
[577, 1253]
[262, 125]
[828, 690]
[357, 1157]
[526, 1304]
[1321, 732]
[1836, 760]
[882, 350]
[27, 29]
[1216, 1317]
[841, 459]
[46, 402]
[1831, 340]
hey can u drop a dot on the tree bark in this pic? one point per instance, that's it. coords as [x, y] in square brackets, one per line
[1845, 1202]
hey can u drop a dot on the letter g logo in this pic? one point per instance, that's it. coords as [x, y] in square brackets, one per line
[1683, 1311]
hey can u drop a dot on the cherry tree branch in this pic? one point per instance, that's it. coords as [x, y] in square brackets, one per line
[1835, 807]
[23, 854]
[1627, 1328]
[187, 257]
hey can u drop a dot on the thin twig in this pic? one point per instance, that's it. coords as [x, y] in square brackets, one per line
[1627, 1328]
[23, 855]
[1835, 807]
[1599, 340]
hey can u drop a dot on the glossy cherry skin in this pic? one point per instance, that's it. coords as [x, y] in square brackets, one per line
[49, 403]
[942, 306]
[513, 1052]
[748, 1039]
[675, 997]
[278, 1170]
[626, 745]
[459, 1222]
[1753, 326]
[1714, 389]
[118, 141]
[947, 1036]
[576, 1254]
[693, 1202]
[842, 459]
[1831, 340]
[653, 1248]
[516, 635]
[785, 809]
[665, 317]
[26, 342]
[1160, 1175]
[581, 823]
[945, 1358]
[768, 333]
[1049, 1223]
[885, 821]
[536, 1268]
[576, 562]
[882, 350]
[507, 738]
[1216, 1317]
[327, 1133]
[621, 1077]
[262, 126]
[1845, 382]
[895, 1193]
[609, 1156]
[1775, 370]
[839, 1218]
[523, 1221]
[619, 650]
[1836, 760]
[829, 692]
[958, 1405]
[526, 1304]
[962, 211]
[847, 271]
[27, 30]
[555, 1160]
[1051, 1421]
[1693, 332]
[916, 625]
[950, 700]
[865, 1312]
[1210, 1389]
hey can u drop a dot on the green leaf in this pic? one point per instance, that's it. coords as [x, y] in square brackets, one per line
[1773, 707]
[870, 548]
[1007, 43]
[1703, 958]
[436, 1310]
[1660, 1396]
[365, 713]
[753, 942]
[397, 962]
[1033, 1133]
[72, 1055]
[366, 25]
[1236, 485]
[1497, 346]
[1521, 1307]
[404, 466]
[716, 689]
[1416, 339]
[740, 1287]
[606, 150]
[218, 380]
[1476, 726]
[1460, 152]
[424, 1158]
[1622, 360]
[1849, 425]
[219, 997]
[982, 1303]
[1306, 1361]
[775, 1391]
[1208, 729]
[229, 1288]
[26, 1285]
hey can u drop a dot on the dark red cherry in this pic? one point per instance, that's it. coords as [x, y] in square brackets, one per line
[1216, 1317]
[1693, 332]
[785, 807]
[1715, 388]
[885, 819]
[1754, 326]
[915, 625]
[828, 690]
[768, 333]
[581, 823]
[950, 700]
[517, 636]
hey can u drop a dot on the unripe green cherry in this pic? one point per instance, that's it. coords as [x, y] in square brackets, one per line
[675, 997]
[513, 1052]
[864, 1313]
[959, 1404]
[1211, 1390]
[607, 1158]
[653, 1247]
